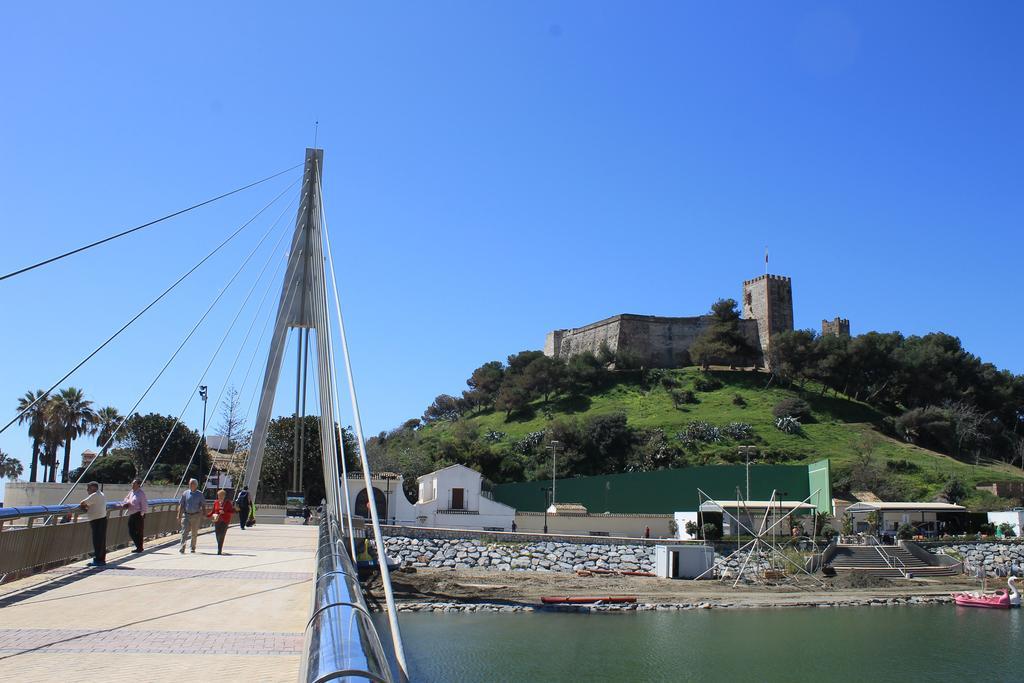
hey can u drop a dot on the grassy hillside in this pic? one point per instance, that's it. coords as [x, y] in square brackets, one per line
[843, 430]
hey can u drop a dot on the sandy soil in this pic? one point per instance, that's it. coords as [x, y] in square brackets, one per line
[526, 587]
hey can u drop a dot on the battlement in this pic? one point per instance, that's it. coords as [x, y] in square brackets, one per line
[780, 278]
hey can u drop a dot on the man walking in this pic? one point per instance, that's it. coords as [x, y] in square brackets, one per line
[137, 506]
[95, 506]
[243, 505]
[191, 509]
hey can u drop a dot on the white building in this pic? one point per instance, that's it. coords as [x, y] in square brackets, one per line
[449, 498]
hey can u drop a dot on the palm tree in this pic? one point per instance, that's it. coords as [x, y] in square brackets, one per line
[36, 419]
[74, 417]
[9, 467]
[107, 420]
[53, 438]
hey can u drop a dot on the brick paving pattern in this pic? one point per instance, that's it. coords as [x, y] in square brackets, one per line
[166, 616]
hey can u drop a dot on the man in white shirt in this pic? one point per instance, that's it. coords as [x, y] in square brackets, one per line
[95, 506]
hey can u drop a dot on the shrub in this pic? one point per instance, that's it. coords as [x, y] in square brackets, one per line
[905, 531]
[739, 431]
[692, 529]
[792, 407]
[1006, 529]
[828, 532]
[682, 397]
[987, 528]
[707, 383]
[528, 443]
[710, 531]
[738, 400]
[789, 425]
[901, 466]
[954, 491]
[494, 436]
[700, 432]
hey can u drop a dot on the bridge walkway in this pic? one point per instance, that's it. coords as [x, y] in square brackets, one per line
[164, 616]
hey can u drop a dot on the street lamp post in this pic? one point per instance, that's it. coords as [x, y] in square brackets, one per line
[546, 491]
[748, 451]
[203, 395]
[554, 446]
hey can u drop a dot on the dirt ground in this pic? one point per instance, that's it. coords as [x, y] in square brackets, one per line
[527, 587]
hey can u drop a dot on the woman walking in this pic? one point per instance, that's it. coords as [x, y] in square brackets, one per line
[221, 516]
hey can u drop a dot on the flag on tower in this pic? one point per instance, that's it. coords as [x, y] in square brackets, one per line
[766, 260]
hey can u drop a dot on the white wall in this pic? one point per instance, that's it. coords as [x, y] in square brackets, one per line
[1013, 517]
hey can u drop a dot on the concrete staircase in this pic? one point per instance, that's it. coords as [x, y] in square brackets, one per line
[866, 558]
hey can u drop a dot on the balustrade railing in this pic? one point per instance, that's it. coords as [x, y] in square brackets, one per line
[38, 536]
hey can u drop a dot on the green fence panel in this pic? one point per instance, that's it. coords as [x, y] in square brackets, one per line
[662, 491]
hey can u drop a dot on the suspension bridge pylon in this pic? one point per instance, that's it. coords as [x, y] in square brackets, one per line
[303, 305]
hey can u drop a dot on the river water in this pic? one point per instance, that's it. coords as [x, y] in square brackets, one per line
[865, 644]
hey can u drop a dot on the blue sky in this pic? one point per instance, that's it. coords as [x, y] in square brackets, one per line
[496, 170]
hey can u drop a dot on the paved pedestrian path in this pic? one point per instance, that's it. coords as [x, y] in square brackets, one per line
[163, 616]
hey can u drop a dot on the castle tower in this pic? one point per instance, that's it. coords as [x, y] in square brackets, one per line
[768, 299]
[838, 327]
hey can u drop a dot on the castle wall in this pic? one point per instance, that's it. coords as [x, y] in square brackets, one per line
[654, 340]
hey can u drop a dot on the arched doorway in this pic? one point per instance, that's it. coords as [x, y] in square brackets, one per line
[362, 507]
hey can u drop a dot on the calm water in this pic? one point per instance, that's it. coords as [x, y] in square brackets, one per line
[868, 645]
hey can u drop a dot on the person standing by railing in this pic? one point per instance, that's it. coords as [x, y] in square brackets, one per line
[221, 516]
[95, 506]
[191, 508]
[137, 506]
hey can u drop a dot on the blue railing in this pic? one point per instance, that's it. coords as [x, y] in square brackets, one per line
[7, 514]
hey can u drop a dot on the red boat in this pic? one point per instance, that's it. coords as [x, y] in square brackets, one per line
[587, 600]
[1001, 599]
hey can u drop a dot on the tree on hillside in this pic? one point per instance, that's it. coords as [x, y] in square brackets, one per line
[721, 342]
[107, 420]
[74, 417]
[484, 384]
[10, 468]
[35, 418]
[232, 425]
[116, 467]
[444, 407]
[517, 362]
[513, 395]
[954, 491]
[543, 376]
[793, 356]
[584, 374]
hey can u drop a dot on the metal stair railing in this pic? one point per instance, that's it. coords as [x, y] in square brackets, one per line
[890, 560]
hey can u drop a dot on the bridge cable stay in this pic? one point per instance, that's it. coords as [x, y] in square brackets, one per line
[256, 387]
[385, 573]
[167, 364]
[192, 393]
[142, 312]
[220, 396]
[242, 346]
[144, 225]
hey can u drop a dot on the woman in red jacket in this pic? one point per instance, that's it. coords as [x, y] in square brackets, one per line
[221, 516]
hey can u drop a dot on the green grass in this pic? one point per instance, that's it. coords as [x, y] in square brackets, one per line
[840, 429]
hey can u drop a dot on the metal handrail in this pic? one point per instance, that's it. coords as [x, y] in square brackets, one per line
[32, 511]
[890, 560]
[341, 639]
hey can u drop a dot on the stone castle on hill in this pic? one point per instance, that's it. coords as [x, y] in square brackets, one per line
[664, 342]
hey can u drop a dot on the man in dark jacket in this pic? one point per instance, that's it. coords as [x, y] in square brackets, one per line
[243, 504]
